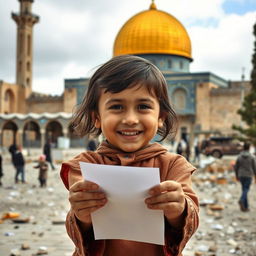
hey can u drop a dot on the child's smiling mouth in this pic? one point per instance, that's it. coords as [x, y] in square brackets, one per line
[129, 133]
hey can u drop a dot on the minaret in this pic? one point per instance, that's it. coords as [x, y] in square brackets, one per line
[25, 20]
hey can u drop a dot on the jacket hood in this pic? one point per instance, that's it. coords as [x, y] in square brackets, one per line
[245, 154]
[107, 154]
[116, 155]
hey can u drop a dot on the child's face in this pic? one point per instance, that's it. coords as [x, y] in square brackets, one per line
[129, 119]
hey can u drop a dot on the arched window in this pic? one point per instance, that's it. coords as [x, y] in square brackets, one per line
[20, 66]
[21, 43]
[169, 63]
[179, 98]
[7, 95]
[181, 65]
[53, 130]
[9, 101]
[29, 45]
[28, 66]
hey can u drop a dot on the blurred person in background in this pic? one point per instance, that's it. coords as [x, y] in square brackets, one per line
[43, 170]
[48, 153]
[245, 169]
[19, 163]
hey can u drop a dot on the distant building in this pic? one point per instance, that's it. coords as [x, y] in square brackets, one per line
[206, 103]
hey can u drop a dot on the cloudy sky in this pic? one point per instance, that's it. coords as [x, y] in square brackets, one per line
[73, 37]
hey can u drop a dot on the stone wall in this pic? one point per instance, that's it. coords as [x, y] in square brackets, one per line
[203, 105]
[47, 106]
[224, 108]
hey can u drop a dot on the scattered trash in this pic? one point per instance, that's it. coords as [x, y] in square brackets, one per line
[223, 229]
[21, 221]
[42, 250]
[232, 242]
[10, 215]
[217, 226]
[9, 234]
[230, 230]
[58, 222]
[25, 247]
[15, 252]
[216, 207]
[14, 194]
[203, 248]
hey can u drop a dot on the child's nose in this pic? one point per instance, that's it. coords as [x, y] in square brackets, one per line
[130, 118]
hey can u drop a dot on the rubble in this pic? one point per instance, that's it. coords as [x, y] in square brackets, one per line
[39, 225]
[222, 225]
[25, 246]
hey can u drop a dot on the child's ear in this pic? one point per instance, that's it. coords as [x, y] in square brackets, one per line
[97, 123]
[160, 122]
[96, 120]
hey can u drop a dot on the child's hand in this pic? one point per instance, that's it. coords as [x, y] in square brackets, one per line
[85, 199]
[169, 197]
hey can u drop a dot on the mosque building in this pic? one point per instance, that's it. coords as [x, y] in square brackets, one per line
[206, 104]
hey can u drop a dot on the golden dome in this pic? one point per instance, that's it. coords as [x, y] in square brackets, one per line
[153, 32]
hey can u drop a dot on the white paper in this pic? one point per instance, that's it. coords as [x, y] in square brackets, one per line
[125, 216]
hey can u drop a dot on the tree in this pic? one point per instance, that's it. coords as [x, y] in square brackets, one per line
[248, 109]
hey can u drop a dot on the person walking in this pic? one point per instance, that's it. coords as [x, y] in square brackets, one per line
[12, 149]
[197, 153]
[19, 163]
[245, 169]
[48, 153]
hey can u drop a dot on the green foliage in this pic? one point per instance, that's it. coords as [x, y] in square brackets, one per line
[248, 109]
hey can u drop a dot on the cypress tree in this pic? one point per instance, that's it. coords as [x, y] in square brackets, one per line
[248, 109]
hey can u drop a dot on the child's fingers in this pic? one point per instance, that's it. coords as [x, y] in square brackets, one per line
[87, 205]
[173, 196]
[172, 205]
[83, 209]
[168, 185]
[83, 196]
[83, 185]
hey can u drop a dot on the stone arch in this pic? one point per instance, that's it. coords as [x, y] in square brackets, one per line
[9, 133]
[180, 99]
[75, 141]
[31, 135]
[53, 130]
[9, 99]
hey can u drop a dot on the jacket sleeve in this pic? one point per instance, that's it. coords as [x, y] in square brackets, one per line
[85, 244]
[176, 239]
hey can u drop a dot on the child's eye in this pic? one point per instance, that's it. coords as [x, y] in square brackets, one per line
[116, 107]
[144, 106]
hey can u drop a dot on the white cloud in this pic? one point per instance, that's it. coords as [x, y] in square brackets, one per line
[73, 37]
[224, 49]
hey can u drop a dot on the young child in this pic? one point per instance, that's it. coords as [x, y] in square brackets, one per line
[127, 101]
[43, 169]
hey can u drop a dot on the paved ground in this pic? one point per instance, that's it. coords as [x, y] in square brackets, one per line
[223, 231]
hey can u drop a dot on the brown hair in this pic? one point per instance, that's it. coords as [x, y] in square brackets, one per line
[116, 75]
